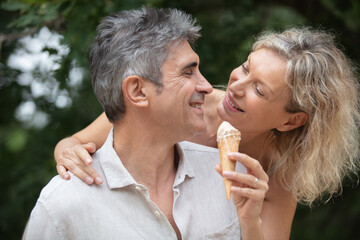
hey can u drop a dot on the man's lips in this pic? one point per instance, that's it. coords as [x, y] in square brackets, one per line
[231, 104]
[196, 100]
[195, 105]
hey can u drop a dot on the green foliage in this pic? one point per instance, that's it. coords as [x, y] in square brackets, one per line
[229, 29]
[347, 11]
[31, 12]
[17, 140]
[338, 219]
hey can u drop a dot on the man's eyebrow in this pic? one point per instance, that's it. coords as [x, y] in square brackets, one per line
[190, 65]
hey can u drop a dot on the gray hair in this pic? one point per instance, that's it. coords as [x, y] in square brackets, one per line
[134, 42]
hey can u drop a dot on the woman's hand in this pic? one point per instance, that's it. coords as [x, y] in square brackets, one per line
[248, 189]
[77, 159]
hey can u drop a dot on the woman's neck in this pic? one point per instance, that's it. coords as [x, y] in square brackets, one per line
[260, 147]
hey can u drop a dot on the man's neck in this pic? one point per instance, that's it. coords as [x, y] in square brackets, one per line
[147, 156]
[152, 161]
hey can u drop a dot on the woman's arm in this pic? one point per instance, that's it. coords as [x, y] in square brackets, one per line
[72, 153]
[265, 209]
[96, 132]
[278, 211]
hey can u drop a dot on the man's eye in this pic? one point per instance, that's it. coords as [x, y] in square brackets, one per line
[189, 73]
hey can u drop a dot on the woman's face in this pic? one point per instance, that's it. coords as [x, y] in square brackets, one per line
[257, 94]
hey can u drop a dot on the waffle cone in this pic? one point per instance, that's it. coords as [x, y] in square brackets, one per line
[226, 144]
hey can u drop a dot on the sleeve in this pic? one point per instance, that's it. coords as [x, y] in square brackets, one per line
[41, 225]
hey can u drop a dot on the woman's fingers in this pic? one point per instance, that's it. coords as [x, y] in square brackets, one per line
[88, 174]
[218, 168]
[250, 193]
[247, 185]
[247, 179]
[251, 164]
[229, 175]
[82, 171]
[77, 159]
[83, 154]
[90, 147]
[63, 172]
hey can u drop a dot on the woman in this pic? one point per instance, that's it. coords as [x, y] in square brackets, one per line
[295, 101]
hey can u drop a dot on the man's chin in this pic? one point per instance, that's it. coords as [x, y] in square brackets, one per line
[199, 129]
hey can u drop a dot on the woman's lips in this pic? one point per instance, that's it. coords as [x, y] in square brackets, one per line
[231, 104]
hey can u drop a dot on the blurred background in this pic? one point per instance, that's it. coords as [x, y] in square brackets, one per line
[46, 94]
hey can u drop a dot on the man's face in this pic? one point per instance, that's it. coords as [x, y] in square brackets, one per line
[178, 106]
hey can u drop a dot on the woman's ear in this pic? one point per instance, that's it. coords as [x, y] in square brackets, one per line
[295, 120]
[134, 89]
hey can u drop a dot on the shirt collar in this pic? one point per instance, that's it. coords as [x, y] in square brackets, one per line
[117, 175]
[115, 172]
[184, 168]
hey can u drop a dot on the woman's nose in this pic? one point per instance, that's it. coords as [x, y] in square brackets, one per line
[237, 82]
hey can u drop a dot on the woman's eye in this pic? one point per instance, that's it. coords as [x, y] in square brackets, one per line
[258, 91]
[245, 69]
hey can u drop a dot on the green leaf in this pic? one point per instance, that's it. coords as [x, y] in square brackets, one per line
[17, 140]
[15, 6]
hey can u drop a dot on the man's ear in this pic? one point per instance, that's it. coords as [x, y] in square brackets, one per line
[134, 89]
[295, 120]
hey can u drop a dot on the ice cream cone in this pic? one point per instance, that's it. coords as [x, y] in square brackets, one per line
[228, 139]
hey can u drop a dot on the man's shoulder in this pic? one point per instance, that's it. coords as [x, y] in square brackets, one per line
[54, 185]
[57, 187]
[199, 154]
[194, 147]
[62, 194]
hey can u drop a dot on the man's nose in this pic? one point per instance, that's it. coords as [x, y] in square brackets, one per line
[203, 85]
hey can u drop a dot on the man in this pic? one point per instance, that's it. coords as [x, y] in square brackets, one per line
[146, 76]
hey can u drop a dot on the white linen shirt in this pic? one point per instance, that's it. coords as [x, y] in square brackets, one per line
[121, 209]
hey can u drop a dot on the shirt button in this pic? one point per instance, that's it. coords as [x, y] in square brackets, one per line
[157, 213]
[138, 188]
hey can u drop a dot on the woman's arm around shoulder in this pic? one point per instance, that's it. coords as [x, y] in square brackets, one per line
[73, 153]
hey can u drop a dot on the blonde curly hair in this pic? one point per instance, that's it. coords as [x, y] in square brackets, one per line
[316, 157]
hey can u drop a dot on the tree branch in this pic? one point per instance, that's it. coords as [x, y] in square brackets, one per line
[26, 32]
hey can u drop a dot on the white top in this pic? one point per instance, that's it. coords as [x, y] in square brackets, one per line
[121, 209]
